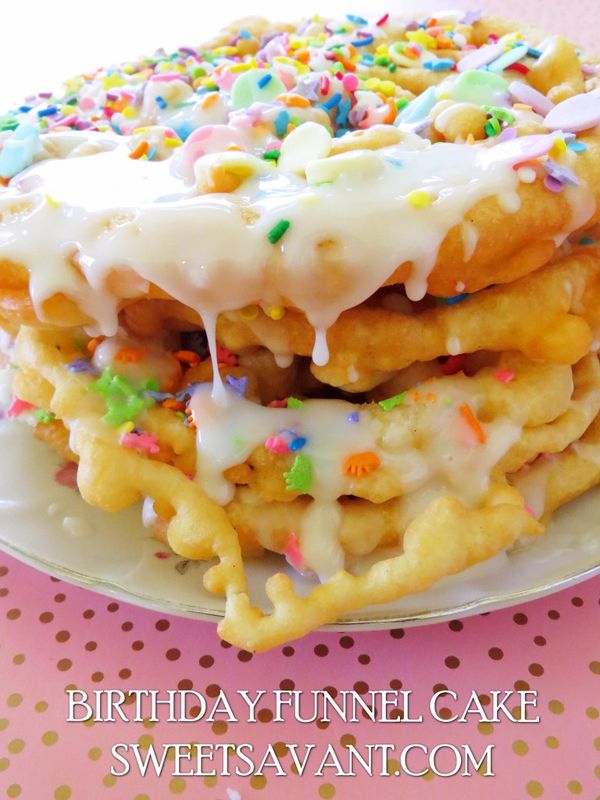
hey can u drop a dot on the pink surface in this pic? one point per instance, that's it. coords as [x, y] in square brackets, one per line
[54, 636]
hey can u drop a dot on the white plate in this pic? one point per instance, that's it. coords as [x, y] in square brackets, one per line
[50, 527]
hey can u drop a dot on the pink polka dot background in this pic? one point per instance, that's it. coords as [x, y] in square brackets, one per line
[54, 636]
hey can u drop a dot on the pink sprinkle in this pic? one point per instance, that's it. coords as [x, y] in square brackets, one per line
[504, 375]
[552, 184]
[293, 554]
[18, 406]
[165, 77]
[530, 510]
[66, 475]
[350, 82]
[278, 404]
[383, 20]
[277, 444]
[225, 356]
[161, 554]
[87, 103]
[325, 83]
[146, 442]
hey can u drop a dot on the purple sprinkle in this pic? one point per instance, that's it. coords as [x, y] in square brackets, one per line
[158, 396]
[552, 184]
[471, 16]
[112, 96]
[239, 385]
[188, 391]
[45, 95]
[353, 417]
[413, 25]
[506, 135]
[560, 173]
[189, 51]
[356, 115]
[589, 69]
[82, 365]
[83, 125]
[308, 89]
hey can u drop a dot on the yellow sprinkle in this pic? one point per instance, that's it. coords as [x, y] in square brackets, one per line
[170, 141]
[521, 107]
[419, 198]
[226, 50]
[239, 67]
[129, 112]
[276, 313]
[126, 427]
[51, 201]
[112, 81]
[249, 313]
[558, 148]
[372, 84]
[298, 65]
[140, 130]
[388, 88]
[422, 38]
[128, 70]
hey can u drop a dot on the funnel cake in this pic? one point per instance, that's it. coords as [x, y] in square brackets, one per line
[326, 289]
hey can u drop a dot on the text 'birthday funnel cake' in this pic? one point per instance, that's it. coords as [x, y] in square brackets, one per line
[326, 289]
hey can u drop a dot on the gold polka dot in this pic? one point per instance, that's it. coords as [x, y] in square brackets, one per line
[41, 706]
[258, 781]
[326, 791]
[597, 743]
[94, 753]
[145, 741]
[428, 776]
[89, 723]
[49, 738]
[592, 712]
[595, 667]
[3, 724]
[348, 739]
[16, 746]
[535, 789]
[486, 728]
[210, 781]
[556, 707]
[219, 728]
[552, 742]
[147, 723]
[574, 787]
[4, 764]
[520, 748]
[177, 786]
[597, 770]
[280, 749]
[109, 780]
[14, 700]
[18, 660]
[392, 766]
[62, 793]
[14, 790]
[141, 797]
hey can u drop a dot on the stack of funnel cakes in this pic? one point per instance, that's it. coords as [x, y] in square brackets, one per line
[323, 289]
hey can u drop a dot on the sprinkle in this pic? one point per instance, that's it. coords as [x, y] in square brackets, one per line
[293, 554]
[66, 475]
[353, 417]
[277, 444]
[360, 464]
[124, 400]
[492, 127]
[271, 155]
[364, 41]
[44, 417]
[282, 120]
[278, 231]
[276, 313]
[392, 402]
[298, 443]
[141, 150]
[560, 173]
[47, 112]
[586, 240]
[350, 82]
[239, 385]
[299, 477]
[225, 356]
[18, 407]
[383, 20]
[552, 184]
[577, 147]
[533, 52]
[504, 375]
[262, 82]
[189, 357]
[143, 441]
[469, 417]
[130, 355]
[82, 365]
[438, 64]
[419, 198]
[293, 402]
[333, 101]
[161, 102]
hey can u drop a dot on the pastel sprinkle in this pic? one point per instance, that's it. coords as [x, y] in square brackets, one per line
[293, 554]
[360, 464]
[277, 444]
[293, 402]
[577, 147]
[82, 365]
[66, 475]
[18, 407]
[560, 173]
[469, 417]
[552, 184]
[262, 82]
[586, 240]
[504, 375]
[438, 64]
[239, 385]
[419, 198]
[299, 477]
[44, 417]
[278, 230]
[146, 442]
[392, 402]
[353, 417]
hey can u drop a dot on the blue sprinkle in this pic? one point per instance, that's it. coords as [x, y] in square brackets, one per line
[343, 111]
[395, 162]
[577, 147]
[363, 41]
[533, 52]
[48, 112]
[355, 20]
[297, 444]
[340, 132]
[368, 58]
[332, 102]
[82, 365]
[151, 153]
[450, 301]
[24, 109]
[264, 80]
[187, 392]
[438, 64]
[161, 102]
[244, 34]
[418, 108]
[281, 123]
[353, 417]
[587, 240]
[19, 149]
[239, 385]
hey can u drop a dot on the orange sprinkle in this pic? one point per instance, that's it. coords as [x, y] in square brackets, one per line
[522, 107]
[197, 83]
[130, 355]
[120, 104]
[187, 357]
[348, 65]
[172, 404]
[140, 150]
[431, 397]
[415, 395]
[233, 147]
[469, 417]
[93, 344]
[4, 181]
[392, 113]
[359, 464]
[303, 56]
[209, 100]
[293, 100]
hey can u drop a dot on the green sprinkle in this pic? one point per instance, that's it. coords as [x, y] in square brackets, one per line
[500, 113]
[293, 402]
[275, 234]
[124, 399]
[393, 67]
[401, 103]
[299, 478]
[447, 401]
[46, 417]
[392, 402]
[492, 127]
[382, 61]
[271, 155]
